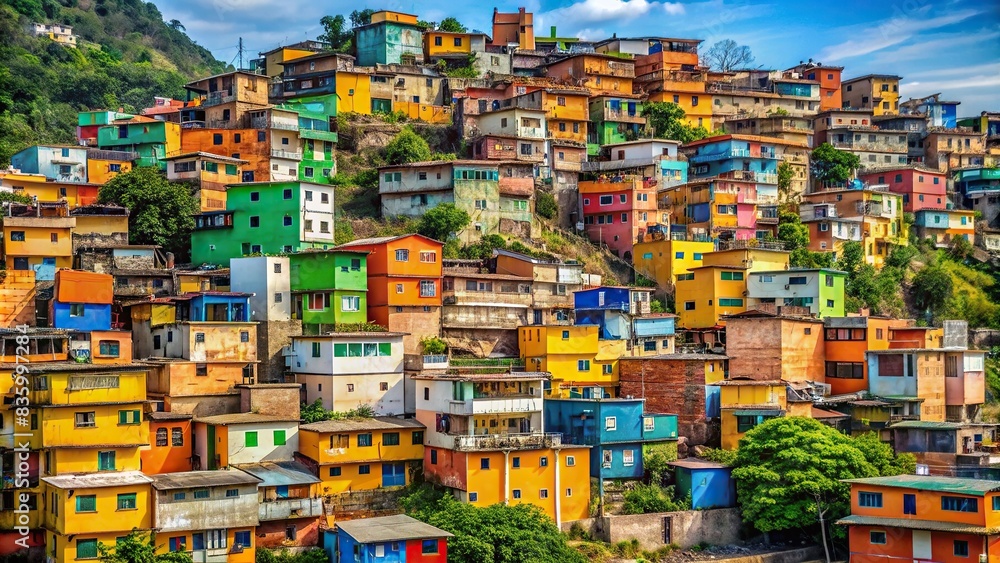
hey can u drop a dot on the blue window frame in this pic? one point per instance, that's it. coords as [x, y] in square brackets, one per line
[960, 504]
[870, 500]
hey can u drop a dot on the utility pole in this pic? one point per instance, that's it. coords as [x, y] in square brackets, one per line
[240, 54]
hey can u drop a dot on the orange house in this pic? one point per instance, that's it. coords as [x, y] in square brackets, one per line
[829, 82]
[250, 145]
[923, 518]
[601, 73]
[169, 449]
[404, 285]
[847, 340]
[567, 113]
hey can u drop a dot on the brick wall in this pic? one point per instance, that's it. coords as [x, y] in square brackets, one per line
[670, 386]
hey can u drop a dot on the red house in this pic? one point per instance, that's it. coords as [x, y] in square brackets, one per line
[922, 188]
[391, 539]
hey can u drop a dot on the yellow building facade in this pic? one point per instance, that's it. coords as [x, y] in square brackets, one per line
[101, 167]
[354, 92]
[33, 241]
[577, 358]
[363, 455]
[747, 403]
[663, 260]
[74, 194]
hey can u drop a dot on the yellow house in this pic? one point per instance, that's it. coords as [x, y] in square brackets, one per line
[36, 185]
[105, 165]
[567, 113]
[718, 287]
[87, 417]
[663, 260]
[273, 60]
[577, 358]
[82, 511]
[354, 91]
[363, 454]
[439, 43]
[877, 92]
[38, 238]
[745, 404]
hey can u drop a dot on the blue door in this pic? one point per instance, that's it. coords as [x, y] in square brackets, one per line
[393, 474]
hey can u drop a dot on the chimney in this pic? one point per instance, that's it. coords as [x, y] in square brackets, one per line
[170, 260]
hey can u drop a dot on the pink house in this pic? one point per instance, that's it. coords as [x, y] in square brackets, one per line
[617, 211]
[922, 188]
[964, 384]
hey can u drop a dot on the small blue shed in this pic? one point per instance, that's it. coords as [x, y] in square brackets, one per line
[710, 484]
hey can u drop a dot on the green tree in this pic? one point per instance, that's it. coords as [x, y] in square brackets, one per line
[785, 176]
[433, 345]
[407, 147]
[483, 248]
[788, 470]
[833, 166]
[881, 456]
[138, 547]
[361, 17]
[176, 25]
[336, 33]
[494, 534]
[545, 205]
[652, 498]
[666, 119]
[160, 211]
[443, 221]
[452, 25]
[931, 287]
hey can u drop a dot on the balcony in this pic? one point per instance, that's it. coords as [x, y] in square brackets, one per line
[275, 123]
[499, 404]
[288, 155]
[750, 176]
[732, 153]
[283, 509]
[217, 98]
[531, 132]
[623, 116]
[767, 218]
[527, 441]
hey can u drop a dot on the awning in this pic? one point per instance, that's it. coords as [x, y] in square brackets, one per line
[755, 412]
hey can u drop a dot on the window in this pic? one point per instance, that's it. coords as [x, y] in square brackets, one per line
[126, 501]
[517, 493]
[179, 496]
[745, 423]
[606, 200]
[570, 461]
[364, 469]
[689, 305]
[129, 417]
[484, 463]
[106, 461]
[76, 310]
[732, 276]
[87, 549]
[402, 255]
[628, 458]
[870, 500]
[390, 438]
[86, 503]
[909, 504]
[254, 221]
[242, 539]
[583, 365]
[161, 438]
[429, 547]
[876, 537]
[350, 303]
[729, 302]
[428, 288]
[960, 504]
[364, 440]
[176, 437]
[85, 420]
[543, 493]
[286, 221]
[961, 548]
[316, 351]
[429, 257]
[610, 423]
[279, 437]
[324, 227]
[608, 369]
[845, 370]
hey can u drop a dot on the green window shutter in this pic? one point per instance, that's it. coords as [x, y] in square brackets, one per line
[231, 169]
[86, 503]
[384, 349]
[279, 437]
[251, 439]
[122, 417]
[340, 350]
[86, 549]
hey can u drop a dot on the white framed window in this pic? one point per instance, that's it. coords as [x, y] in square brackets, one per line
[428, 288]
[402, 255]
[429, 257]
[647, 424]
[350, 303]
[570, 461]
[628, 458]
[610, 423]
[215, 539]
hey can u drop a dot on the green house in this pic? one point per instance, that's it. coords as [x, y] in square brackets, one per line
[821, 290]
[153, 140]
[613, 120]
[265, 218]
[329, 287]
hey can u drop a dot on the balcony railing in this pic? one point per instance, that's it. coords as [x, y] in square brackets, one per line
[623, 116]
[751, 176]
[283, 509]
[217, 98]
[289, 155]
[527, 441]
[531, 132]
[732, 153]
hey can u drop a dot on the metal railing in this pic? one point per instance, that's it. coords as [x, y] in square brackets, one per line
[278, 153]
[525, 441]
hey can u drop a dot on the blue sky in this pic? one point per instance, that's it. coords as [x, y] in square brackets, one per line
[946, 46]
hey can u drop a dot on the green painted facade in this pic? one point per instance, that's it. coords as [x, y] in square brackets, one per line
[832, 294]
[387, 42]
[329, 288]
[265, 218]
[607, 132]
[148, 139]
[318, 141]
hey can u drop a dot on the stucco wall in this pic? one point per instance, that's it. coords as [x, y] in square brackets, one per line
[720, 526]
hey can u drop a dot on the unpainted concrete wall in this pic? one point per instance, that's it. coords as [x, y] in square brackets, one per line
[720, 526]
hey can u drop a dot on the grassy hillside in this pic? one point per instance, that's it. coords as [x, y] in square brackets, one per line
[126, 55]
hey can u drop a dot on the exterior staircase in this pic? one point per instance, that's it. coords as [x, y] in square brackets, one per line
[17, 298]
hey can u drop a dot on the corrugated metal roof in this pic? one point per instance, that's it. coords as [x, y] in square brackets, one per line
[359, 424]
[196, 479]
[927, 425]
[280, 473]
[931, 525]
[390, 528]
[98, 480]
[958, 485]
[695, 463]
[242, 418]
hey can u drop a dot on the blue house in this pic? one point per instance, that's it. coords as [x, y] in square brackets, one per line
[58, 163]
[616, 429]
[654, 334]
[611, 308]
[81, 316]
[214, 306]
[386, 539]
[737, 157]
[710, 484]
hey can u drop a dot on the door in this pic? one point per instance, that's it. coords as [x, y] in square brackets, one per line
[21, 264]
[198, 541]
[210, 439]
[921, 544]
[666, 530]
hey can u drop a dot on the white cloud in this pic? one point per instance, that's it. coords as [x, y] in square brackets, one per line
[892, 32]
[598, 11]
[673, 8]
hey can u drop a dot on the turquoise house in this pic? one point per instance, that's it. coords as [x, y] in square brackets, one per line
[389, 39]
[329, 287]
[709, 484]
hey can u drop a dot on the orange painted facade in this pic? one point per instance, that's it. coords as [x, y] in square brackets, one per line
[246, 144]
[849, 348]
[601, 73]
[169, 448]
[110, 347]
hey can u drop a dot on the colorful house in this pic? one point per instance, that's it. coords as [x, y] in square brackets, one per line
[612, 308]
[390, 38]
[709, 484]
[208, 173]
[225, 440]
[829, 77]
[371, 454]
[948, 448]
[210, 515]
[513, 28]
[847, 341]
[554, 283]
[922, 188]
[873, 217]
[943, 226]
[350, 369]
[89, 509]
[618, 211]
[73, 194]
[486, 441]
[329, 287]
[582, 364]
[398, 538]
[153, 140]
[914, 379]
[38, 238]
[772, 346]
[619, 431]
[950, 149]
[616, 118]
[747, 403]
[481, 311]
[499, 197]
[663, 259]
[89, 122]
[701, 304]
[294, 215]
[876, 92]
[819, 290]
[105, 165]
[59, 163]
[922, 518]
[271, 63]
[601, 73]
[290, 504]
[82, 301]
[666, 70]
[404, 285]
[170, 447]
[720, 209]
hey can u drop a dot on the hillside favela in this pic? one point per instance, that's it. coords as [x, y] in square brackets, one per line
[611, 281]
